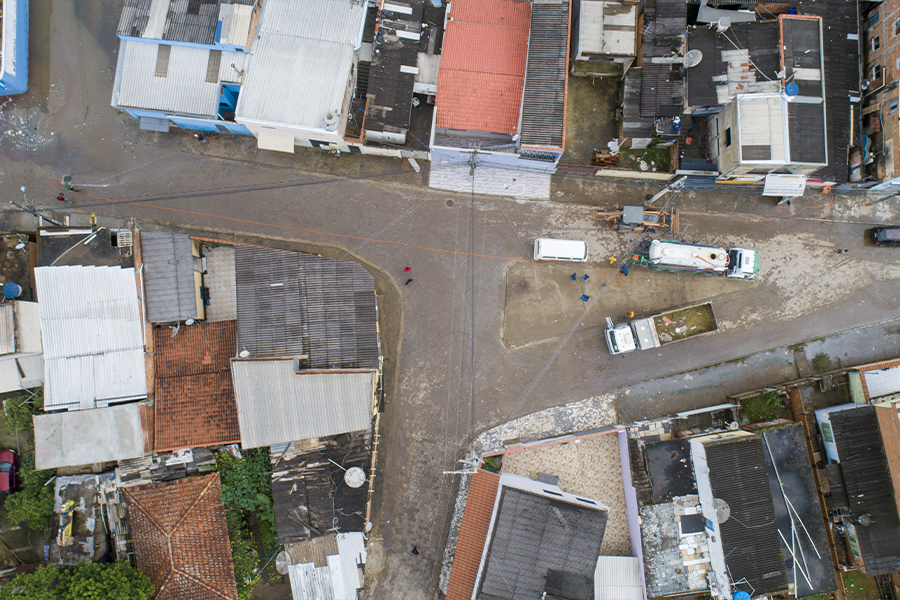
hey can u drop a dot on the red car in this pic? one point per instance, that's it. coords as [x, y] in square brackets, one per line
[9, 471]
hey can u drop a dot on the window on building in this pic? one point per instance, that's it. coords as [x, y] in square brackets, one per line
[162, 60]
[728, 137]
[876, 72]
[876, 43]
[826, 432]
[892, 107]
[872, 20]
[897, 27]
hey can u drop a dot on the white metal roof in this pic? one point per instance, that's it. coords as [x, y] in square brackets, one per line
[301, 62]
[784, 185]
[339, 579]
[276, 404]
[92, 333]
[618, 578]
[882, 382]
[607, 27]
[70, 439]
[184, 89]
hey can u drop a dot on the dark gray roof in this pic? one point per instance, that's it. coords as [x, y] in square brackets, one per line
[544, 99]
[671, 469]
[662, 90]
[806, 132]
[801, 51]
[291, 304]
[192, 21]
[389, 91]
[760, 40]
[737, 474]
[539, 545]
[309, 491]
[633, 124]
[841, 78]
[785, 449]
[867, 479]
[168, 277]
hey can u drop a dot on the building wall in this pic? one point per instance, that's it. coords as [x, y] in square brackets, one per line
[881, 52]
[729, 154]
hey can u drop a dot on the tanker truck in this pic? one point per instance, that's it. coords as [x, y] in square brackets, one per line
[737, 263]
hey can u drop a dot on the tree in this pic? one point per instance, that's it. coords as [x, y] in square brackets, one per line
[18, 411]
[34, 500]
[88, 581]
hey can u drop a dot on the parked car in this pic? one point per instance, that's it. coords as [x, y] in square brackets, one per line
[9, 471]
[886, 236]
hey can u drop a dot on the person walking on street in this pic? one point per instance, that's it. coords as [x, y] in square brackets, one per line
[585, 278]
[415, 550]
[842, 251]
[630, 314]
[67, 183]
[62, 198]
[199, 136]
[407, 269]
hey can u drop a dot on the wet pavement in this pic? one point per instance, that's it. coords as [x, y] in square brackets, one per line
[449, 373]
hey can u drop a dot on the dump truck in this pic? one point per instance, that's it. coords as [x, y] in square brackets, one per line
[660, 329]
[737, 263]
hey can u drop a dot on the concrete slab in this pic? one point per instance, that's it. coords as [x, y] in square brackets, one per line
[88, 533]
[83, 437]
[543, 302]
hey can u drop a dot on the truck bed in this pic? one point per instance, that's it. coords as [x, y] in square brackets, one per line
[682, 323]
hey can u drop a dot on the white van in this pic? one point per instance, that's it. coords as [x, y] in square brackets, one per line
[550, 249]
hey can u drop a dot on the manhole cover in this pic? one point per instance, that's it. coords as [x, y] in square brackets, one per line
[449, 203]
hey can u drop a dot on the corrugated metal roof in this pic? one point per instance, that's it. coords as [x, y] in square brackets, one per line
[301, 61]
[291, 303]
[483, 64]
[71, 439]
[544, 100]
[184, 90]
[7, 328]
[168, 277]
[276, 404]
[867, 479]
[339, 579]
[193, 21]
[737, 474]
[618, 578]
[92, 333]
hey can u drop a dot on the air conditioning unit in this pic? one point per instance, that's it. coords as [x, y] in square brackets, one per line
[124, 239]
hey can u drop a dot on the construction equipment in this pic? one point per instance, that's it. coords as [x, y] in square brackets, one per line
[637, 218]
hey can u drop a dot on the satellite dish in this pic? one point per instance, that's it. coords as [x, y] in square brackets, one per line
[20, 245]
[354, 477]
[692, 58]
[190, 321]
[244, 353]
[282, 562]
[723, 511]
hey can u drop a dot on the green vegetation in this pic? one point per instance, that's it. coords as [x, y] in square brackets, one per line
[490, 463]
[764, 407]
[821, 362]
[249, 513]
[859, 587]
[33, 503]
[655, 157]
[89, 581]
[17, 411]
[685, 323]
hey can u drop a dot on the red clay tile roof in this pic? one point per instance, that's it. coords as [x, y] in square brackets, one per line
[194, 394]
[473, 533]
[483, 62]
[181, 539]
